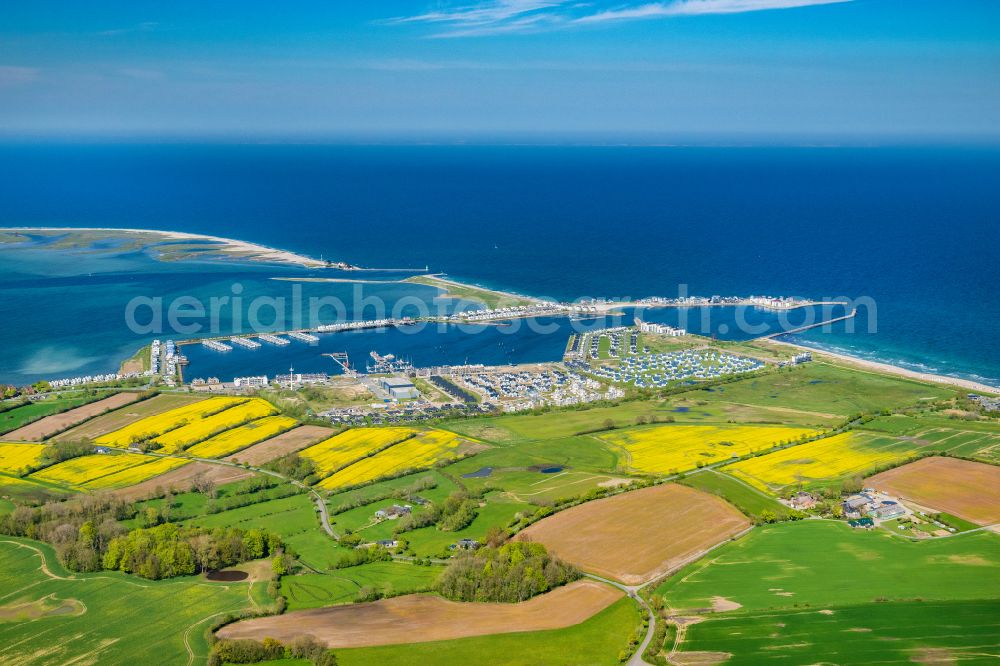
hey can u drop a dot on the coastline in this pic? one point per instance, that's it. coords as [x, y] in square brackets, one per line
[226, 246]
[888, 368]
[248, 251]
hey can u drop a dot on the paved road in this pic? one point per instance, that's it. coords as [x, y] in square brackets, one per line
[633, 591]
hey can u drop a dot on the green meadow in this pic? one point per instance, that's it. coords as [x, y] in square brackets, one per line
[966, 632]
[747, 499]
[818, 563]
[342, 585]
[595, 642]
[823, 388]
[13, 419]
[49, 616]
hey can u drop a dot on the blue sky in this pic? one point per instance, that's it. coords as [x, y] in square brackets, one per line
[534, 70]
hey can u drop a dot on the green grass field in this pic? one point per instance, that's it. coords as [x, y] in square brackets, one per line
[814, 563]
[516, 464]
[747, 499]
[890, 633]
[596, 642]
[48, 616]
[13, 419]
[823, 388]
[341, 586]
[980, 440]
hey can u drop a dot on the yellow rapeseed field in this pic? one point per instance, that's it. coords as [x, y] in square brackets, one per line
[824, 459]
[421, 451]
[78, 471]
[233, 440]
[330, 455]
[151, 426]
[203, 428]
[136, 474]
[16, 457]
[670, 449]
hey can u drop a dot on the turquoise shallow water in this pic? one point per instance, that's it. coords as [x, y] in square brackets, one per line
[913, 229]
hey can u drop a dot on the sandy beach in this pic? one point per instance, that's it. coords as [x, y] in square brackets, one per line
[228, 246]
[893, 369]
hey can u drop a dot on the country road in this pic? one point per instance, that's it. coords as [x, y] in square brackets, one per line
[324, 515]
[633, 592]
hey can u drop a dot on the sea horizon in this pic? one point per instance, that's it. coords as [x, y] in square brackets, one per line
[561, 224]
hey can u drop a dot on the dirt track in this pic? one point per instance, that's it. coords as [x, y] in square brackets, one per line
[639, 535]
[423, 617]
[48, 426]
[294, 440]
[969, 490]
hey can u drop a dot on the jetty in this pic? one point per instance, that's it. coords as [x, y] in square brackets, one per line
[853, 313]
[246, 343]
[215, 345]
[275, 340]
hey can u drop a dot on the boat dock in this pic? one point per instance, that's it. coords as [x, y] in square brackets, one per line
[245, 342]
[303, 337]
[215, 345]
[275, 340]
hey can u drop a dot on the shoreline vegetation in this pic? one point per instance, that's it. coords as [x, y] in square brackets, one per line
[493, 298]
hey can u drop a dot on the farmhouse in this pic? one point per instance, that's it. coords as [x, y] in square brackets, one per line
[464, 544]
[393, 512]
[803, 500]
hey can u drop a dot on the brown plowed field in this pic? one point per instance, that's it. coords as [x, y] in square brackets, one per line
[294, 440]
[417, 618]
[42, 428]
[180, 479]
[640, 535]
[120, 418]
[962, 488]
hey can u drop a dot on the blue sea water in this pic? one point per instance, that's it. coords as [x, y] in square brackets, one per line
[916, 230]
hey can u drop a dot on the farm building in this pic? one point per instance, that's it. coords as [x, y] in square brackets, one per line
[855, 505]
[803, 500]
[889, 511]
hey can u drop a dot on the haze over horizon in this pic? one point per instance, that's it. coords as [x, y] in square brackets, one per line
[629, 71]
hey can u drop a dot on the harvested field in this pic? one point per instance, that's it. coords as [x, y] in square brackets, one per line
[181, 479]
[120, 418]
[425, 617]
[39, 430]
[640, 535]
[969, 490]
[285, 443]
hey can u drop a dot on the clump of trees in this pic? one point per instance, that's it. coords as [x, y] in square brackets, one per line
[458, 510]
[171, 550]
[249, 651]
[87, 536]
[513, 572]
[79, 529]
[295, 466]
